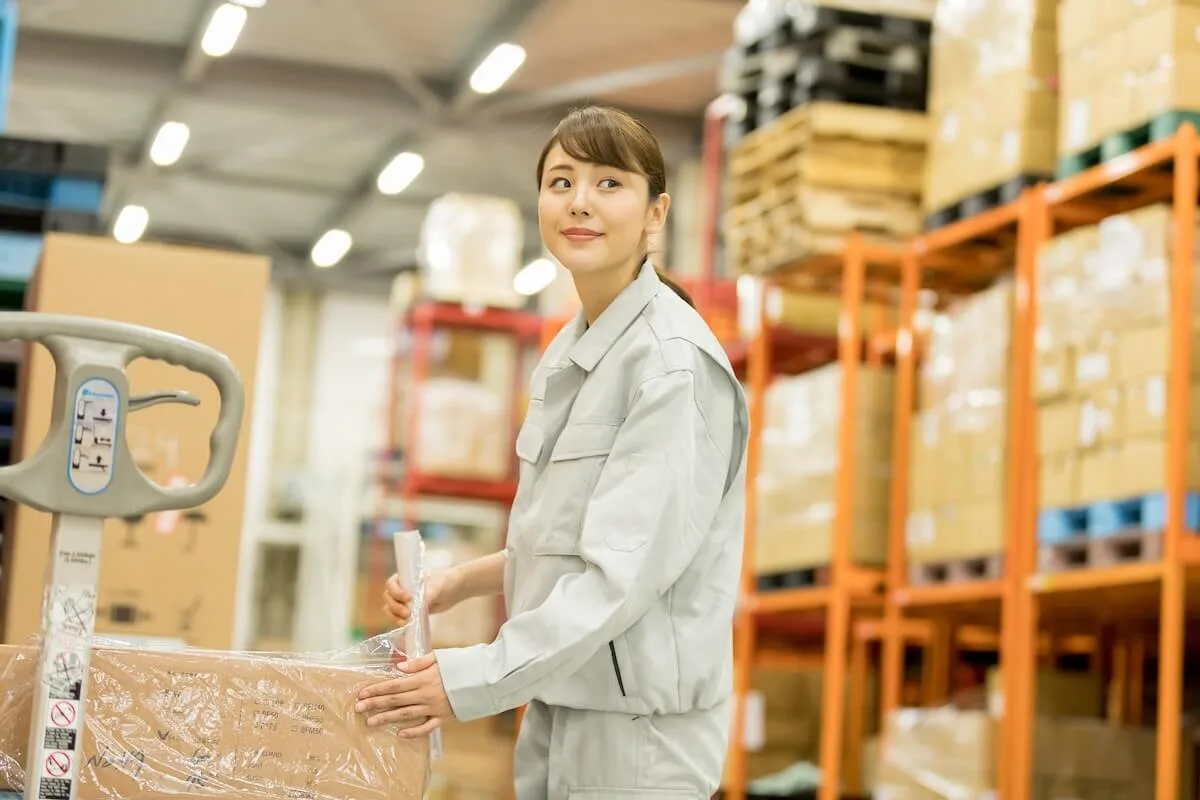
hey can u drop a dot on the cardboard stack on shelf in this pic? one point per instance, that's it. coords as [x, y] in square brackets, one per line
[985, 146]
[946, 752]
[798, 474]
[958, 473]
[1101, 385]
[470, 251]
[1124, 67]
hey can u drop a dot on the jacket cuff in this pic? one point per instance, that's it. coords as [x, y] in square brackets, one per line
[464, 681]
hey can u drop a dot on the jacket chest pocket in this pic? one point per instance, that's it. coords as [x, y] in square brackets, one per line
[571, 475]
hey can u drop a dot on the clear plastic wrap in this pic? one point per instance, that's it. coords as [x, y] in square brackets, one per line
[470, 250]
[982, 139]
[960, 434]
[462, 430]
[192, 723]
[800, 455]
[950, 754]
[758, 18]
[1102, 357]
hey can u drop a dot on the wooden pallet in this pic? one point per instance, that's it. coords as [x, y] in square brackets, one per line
[961, 570]
[836, 121]
[797, 203]
[1090, 552]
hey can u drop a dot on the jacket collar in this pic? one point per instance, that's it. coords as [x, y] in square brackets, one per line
[593, 341]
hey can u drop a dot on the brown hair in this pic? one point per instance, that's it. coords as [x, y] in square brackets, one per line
[609, 136]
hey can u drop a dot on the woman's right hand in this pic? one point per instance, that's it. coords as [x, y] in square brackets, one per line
[439, 596]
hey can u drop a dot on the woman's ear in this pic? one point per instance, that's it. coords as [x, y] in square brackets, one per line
[656, 214]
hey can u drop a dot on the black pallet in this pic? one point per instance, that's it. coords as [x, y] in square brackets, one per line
[740, 71]
[794, 579]
[805, 20]
[983, 201]
[39, 220]
[53, 158]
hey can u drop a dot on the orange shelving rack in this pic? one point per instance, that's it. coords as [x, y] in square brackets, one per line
[419, 325]
[1147, 594]
[821, 616]
[955, 260]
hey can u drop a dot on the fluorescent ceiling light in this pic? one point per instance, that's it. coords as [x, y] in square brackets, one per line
[331, 248]
[223, 30]
[535, 276]
[497, 68]
[251, 3]
[400, 172]
[131, 224]
[169, 143]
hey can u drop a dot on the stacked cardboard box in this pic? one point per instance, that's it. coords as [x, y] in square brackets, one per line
[799, 468]
[981, 139]
[958, 474]
[1103, 351]
[1123, 63]
[168, 575]
[204, 724]
[932, 754]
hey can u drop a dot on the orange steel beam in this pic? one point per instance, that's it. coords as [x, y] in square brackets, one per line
[1174, 581]
[1019, 638]
[744, 634]
[857, 715]
[892, 677]
[837, 634]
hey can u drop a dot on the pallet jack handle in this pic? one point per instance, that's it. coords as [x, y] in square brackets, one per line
[83, 474]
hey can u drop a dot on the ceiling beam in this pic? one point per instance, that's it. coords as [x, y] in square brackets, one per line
[507, 26]
[190, 72]
[592, 87]
[140, 69]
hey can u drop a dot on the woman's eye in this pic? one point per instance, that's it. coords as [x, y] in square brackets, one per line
[558, 183]
[609, 183]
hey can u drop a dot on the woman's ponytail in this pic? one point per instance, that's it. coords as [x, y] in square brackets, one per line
[675, 287]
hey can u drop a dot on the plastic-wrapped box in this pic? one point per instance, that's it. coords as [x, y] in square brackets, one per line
[983, 139]
[464, 431]
[798, 473]
[1102, 358]
[470, 251]
[957, 489]
[190, 723]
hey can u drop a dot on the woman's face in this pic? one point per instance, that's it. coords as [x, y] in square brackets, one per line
[594, 218]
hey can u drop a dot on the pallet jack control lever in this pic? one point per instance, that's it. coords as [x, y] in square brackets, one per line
[82, 474]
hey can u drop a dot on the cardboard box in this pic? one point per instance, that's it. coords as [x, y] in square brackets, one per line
[187, 724]
[171, 574]
[797, 484]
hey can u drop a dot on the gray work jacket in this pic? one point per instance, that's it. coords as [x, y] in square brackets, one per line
[624, 546]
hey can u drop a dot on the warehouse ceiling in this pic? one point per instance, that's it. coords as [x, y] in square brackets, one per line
[289, 132]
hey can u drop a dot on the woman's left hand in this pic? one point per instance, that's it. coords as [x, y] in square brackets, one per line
[417, 695]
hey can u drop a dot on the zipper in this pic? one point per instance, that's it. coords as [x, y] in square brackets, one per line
[612, 649]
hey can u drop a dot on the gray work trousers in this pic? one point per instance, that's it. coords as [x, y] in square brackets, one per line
[566, 754]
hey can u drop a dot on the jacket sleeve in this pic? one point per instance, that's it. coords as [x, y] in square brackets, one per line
[654, 501]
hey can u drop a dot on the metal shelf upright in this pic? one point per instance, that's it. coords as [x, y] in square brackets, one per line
[957, 260]
[419, 324]
[1154, 593]
[821, 615]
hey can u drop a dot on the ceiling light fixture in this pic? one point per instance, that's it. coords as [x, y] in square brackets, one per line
[131, 224]
[223, 30]
[331, 248]
[399, 173]
[169, 143]
[534, 277]
[495, 70]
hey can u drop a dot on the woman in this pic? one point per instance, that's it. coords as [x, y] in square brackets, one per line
[622, 564]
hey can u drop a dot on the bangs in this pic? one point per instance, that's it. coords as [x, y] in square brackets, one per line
[592, 136]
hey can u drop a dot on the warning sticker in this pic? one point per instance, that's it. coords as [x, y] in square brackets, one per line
[64, 674]
[73, 611]
[60, 739]
[63, 714]
[57, 764]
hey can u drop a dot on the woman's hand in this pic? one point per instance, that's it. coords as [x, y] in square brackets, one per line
[417, 695]
[440, 595]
